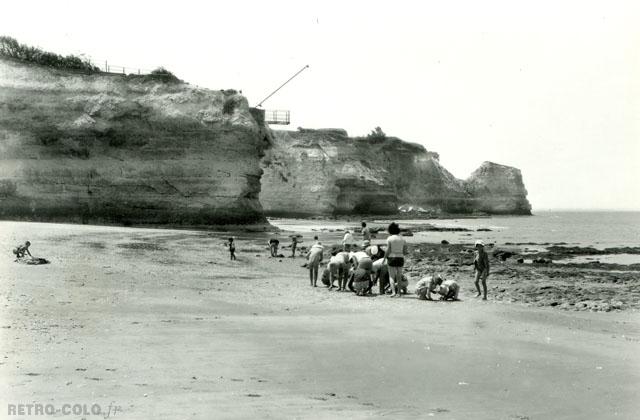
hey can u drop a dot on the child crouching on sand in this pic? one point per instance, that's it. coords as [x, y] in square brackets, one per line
[21, 250]
[448, 290]
[427, 285]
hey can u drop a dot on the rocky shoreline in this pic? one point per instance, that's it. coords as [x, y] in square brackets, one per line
[591, 286]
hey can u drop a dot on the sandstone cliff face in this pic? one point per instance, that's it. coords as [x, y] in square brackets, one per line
[498, 189]
[125, 149]
[313, 172]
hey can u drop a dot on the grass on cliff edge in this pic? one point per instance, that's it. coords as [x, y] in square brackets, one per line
[11, 48]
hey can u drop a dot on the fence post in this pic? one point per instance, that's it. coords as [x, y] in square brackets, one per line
[106, 66]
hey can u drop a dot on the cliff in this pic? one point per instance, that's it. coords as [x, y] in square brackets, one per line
[312, 172]
[498, 189]
[104, 148]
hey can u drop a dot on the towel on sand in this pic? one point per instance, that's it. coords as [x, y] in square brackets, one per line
[33, 261]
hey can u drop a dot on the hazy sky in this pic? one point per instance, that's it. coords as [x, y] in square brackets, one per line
[551, 87]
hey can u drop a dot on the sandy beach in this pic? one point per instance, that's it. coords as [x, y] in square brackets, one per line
[160, 324]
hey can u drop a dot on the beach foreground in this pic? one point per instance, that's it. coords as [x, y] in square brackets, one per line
[160, 324]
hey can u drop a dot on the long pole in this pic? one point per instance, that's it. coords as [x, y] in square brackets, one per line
[282, 85]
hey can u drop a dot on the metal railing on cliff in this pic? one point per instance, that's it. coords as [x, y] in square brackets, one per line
[106, 67]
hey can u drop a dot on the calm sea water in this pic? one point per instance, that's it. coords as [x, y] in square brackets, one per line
[580, 228]
[597, 229]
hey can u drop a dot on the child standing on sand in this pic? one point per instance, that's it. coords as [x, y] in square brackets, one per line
[294, 244]
[232, 249]
[481, 264]
[366, 234]
[348, 241]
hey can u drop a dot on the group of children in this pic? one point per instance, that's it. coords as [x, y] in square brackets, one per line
[358, 269]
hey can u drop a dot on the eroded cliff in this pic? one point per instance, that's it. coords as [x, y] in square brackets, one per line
[498, 189]
[314, 172]
[105, 148]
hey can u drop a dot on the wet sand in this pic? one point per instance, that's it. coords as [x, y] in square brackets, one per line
[163, 325]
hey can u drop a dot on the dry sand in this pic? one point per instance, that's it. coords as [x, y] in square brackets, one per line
[163, 325]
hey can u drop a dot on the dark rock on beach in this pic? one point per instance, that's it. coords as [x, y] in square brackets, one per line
[582, 287]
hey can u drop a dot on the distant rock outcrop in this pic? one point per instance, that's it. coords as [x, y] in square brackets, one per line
[313, 172]
[498, 189]
[104, 148]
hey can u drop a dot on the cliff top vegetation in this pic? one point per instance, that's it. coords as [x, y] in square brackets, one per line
[11, 48]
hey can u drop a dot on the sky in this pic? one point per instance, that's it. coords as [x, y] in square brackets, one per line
[550, 87]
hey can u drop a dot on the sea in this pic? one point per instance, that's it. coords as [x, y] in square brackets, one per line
[597, 229]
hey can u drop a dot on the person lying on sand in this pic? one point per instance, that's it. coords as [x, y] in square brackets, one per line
[448, 290]
[314, 256]
[21, 250]
[338, 268]
[427, 285]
